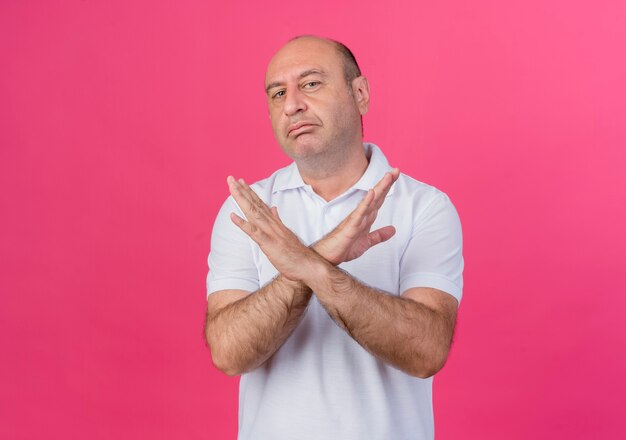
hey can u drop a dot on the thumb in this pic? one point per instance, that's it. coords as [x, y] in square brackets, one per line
[381, 235]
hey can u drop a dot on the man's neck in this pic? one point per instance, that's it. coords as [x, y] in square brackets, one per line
[331, 179]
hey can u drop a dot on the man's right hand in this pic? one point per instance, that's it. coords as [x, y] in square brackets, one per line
[352, 237]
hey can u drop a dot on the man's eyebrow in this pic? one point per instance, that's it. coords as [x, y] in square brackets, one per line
[302, 75]
[311, 72]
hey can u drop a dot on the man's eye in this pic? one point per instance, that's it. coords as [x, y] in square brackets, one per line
[279, 94]
[311, 84]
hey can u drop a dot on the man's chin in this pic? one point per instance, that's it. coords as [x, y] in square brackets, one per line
[302, 146]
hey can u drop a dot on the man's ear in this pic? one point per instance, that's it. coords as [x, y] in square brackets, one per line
[361, 93]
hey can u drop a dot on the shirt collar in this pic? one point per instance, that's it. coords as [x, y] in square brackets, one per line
[290, 178]
[376, 169]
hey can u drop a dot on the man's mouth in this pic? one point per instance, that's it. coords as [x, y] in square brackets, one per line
[294, 129]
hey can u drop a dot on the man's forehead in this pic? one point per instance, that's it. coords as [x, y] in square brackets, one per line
[302, 55]
[285, 72]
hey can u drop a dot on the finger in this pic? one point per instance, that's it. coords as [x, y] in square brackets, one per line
[242, 189]
[251, 230]
[237, 192]
[276, 225]
[388, 181]
[255, 199]
[360, 212]
[268, 219]
[384, 185]
[250, 192]
[380, 235]
[371, 217]
[380, 187]
[275, 212]
[244, 225]
[252, 206]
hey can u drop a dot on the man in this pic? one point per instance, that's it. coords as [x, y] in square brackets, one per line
[333, 284]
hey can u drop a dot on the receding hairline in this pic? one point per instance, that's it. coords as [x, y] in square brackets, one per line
[351, 68]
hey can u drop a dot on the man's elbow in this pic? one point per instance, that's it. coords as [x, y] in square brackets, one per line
[226, 369]
[223, 365]
[428, 369]
[217, 357]
[425, 373]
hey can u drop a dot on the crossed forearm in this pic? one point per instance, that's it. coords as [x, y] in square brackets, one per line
[244, 334]
[402, 332]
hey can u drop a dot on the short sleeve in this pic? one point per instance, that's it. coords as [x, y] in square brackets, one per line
[231, 260]
[434, 254]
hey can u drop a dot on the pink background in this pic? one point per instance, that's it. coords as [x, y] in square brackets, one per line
[119, 121]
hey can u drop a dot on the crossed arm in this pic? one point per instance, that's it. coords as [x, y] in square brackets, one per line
[412, 332]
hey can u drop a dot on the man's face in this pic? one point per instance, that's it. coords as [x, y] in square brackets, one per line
[310, 104]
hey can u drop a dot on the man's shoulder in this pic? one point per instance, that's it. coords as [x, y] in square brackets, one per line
[408, 188]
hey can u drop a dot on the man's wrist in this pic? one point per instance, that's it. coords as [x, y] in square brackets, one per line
[294, 285]
[320, 248]
[317, 272]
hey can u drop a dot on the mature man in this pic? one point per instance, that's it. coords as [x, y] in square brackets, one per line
[333, 284]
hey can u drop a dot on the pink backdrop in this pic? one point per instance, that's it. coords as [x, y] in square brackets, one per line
[119, 121]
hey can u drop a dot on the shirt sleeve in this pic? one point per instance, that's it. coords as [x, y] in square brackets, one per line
[231, 260]
[434, 254]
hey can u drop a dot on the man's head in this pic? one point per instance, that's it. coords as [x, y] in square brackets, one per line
[351, 68]
[316, 97]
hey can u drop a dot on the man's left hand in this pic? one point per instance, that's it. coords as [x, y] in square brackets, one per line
[352, 237]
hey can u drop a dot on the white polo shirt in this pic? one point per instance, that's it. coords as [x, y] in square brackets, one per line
[321, 384]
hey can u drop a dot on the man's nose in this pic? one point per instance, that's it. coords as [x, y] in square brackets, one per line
[294, 101]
